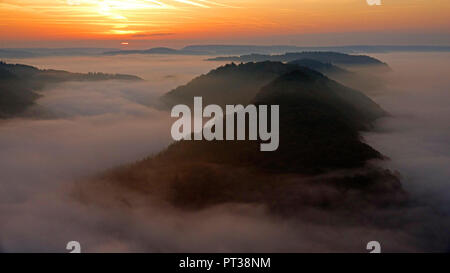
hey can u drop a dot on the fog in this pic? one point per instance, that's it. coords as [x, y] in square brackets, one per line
[417, 136]
[104, 124]
[100, 125]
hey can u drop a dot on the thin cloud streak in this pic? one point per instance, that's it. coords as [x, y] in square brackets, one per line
[192, 3]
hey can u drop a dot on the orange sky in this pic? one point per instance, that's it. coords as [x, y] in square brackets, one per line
[132, 20]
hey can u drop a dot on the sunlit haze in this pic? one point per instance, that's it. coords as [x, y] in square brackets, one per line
[141, 23]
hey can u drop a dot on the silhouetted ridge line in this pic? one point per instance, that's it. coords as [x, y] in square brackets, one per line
[325, 57]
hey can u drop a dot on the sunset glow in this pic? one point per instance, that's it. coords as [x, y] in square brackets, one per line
[188, 19]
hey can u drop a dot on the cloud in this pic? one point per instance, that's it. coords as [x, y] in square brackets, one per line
[152, 34]
[102, 125]
[192, 3]
[44, 165]
[417, 136]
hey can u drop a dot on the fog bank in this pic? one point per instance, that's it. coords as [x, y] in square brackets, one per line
[105, 124]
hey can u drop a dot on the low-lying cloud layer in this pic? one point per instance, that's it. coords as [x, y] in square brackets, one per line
[105, 124]
[417, 137]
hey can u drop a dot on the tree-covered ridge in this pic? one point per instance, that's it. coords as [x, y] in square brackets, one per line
[228, 84]
[325, 57]
[19, 83]
[322, 67]
[362, 79]
[321, 161]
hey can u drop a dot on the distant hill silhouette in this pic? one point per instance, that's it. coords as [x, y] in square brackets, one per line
[19, 83]
[155, 50]
[324, 57]
[217, 50]
[45, 52]
[279, 49]
[214, 50]
[321, 162]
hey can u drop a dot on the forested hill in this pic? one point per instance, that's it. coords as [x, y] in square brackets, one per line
[19, 83]
[321, 161]
[325, 57]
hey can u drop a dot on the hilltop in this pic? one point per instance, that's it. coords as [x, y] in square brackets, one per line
[228, 84]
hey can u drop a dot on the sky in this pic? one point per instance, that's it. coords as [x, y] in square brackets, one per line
[141, 23]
